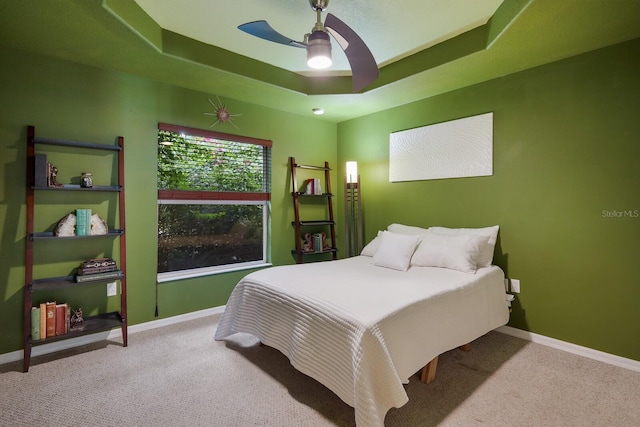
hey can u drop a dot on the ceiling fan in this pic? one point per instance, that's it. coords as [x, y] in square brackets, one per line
[364, 68]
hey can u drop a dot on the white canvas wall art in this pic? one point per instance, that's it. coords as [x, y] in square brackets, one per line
[453, 149]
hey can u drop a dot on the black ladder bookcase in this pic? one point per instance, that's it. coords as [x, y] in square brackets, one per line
[328, 222]
[92, 324]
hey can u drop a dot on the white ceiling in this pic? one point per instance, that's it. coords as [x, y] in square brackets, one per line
[391, 29]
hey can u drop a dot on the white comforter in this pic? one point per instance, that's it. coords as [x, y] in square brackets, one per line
[363, 330]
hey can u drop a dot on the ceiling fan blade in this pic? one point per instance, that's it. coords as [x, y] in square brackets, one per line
[363, 65]
[263, 30]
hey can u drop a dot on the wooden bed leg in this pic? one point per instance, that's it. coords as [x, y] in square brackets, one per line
[429, 371]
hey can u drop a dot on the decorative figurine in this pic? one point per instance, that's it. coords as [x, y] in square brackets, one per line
[76, 322]
[308, 243]
[53, 176]
[325, 246]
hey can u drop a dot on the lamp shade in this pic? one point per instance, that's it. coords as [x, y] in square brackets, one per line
[319, 50]
[352, 210]
[352, 172]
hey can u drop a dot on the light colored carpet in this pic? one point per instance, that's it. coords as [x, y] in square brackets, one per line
[179, 376]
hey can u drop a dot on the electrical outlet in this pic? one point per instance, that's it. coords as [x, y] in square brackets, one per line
[515, 286]
[112, 289]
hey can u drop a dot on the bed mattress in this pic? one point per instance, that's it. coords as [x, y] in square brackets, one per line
[363, 330]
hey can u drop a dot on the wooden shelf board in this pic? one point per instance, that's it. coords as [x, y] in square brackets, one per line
[111, 188]
[320, 168]
[67, 143]
[91, 325]
[302, 193]
[49, 235]
[328, 251]
[51, 283]
[319, 222]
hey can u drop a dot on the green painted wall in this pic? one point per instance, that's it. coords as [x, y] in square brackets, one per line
[69, 101]
[566, 152]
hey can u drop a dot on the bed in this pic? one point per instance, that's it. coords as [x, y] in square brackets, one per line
[362, 328]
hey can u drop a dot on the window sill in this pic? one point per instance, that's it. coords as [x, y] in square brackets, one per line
[190, 274]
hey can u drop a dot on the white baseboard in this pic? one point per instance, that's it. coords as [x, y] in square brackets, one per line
[172, 320]
[15, 356]
[601, 356]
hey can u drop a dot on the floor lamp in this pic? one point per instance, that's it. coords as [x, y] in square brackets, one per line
[352, 210]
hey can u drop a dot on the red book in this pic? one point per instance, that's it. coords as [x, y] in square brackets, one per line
[61, 319]
[51, 319]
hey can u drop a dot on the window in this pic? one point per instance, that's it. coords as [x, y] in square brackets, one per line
[213, 201]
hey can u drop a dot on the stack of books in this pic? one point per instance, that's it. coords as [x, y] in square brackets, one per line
[98, 269]
[49, 319]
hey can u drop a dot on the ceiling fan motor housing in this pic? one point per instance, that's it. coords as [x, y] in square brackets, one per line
[319, 50]
[317, 43]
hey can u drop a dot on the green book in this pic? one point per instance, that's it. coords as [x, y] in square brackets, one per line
[87, 222]
[81, 222]
[35, 323]
[99, 276]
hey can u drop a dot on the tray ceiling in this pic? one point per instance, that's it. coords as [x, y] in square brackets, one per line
[423, 48]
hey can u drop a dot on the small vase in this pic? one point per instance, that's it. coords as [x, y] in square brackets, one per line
[86, 180]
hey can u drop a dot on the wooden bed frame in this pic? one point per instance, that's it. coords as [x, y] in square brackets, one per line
[428, 372]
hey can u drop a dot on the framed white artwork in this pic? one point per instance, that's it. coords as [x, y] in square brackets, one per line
[454, 149]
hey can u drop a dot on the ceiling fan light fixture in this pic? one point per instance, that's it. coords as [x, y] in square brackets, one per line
[319, 50]
[364, 69]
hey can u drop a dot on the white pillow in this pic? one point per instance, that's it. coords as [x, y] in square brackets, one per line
[486, 252]
[372, 246]
[395, 250]
[406, 229]
[455, 252]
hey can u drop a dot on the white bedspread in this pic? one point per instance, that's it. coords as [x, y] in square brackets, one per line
[363, 330]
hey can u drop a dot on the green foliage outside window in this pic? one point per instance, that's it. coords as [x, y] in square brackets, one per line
[195, 234]
[198, 163]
